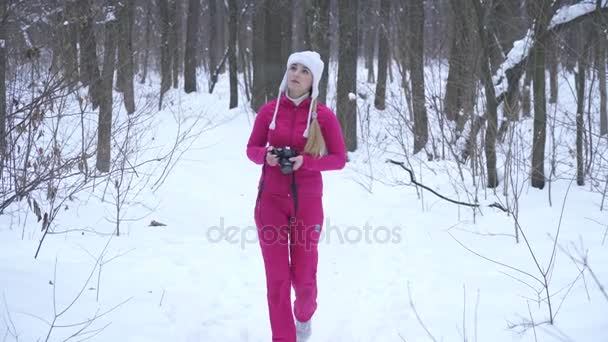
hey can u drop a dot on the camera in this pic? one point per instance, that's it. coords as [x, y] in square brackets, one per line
[283, 154]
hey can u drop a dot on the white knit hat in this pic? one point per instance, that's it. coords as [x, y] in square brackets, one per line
[312, 60]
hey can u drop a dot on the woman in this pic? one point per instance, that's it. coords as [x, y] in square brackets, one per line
[294, 138]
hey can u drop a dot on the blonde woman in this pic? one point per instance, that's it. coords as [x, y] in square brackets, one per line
[294, 138]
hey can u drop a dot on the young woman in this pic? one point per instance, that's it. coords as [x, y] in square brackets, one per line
[294, 138]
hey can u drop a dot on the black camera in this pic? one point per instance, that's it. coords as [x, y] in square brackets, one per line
[283, 154]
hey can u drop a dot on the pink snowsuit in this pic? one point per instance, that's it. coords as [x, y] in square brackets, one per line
[289, 232]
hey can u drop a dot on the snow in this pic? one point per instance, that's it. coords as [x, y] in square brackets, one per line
[352, 96]
[388, 258]
[569, 13]
[521, 48]
[2, 43]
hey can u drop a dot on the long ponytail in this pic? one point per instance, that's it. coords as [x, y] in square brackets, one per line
[315, 145]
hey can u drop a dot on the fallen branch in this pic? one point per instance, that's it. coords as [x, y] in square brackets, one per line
[413, 180]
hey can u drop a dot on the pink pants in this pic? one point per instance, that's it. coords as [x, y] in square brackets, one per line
[289, 247]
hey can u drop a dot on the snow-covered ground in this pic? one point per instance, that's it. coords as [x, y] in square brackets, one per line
[392, 265]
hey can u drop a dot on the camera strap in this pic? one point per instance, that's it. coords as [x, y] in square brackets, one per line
[294, 192]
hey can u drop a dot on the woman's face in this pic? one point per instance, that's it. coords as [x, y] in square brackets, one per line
[299, 80]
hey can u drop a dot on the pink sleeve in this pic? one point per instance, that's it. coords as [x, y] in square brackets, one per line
[256, 146]
[335, 159]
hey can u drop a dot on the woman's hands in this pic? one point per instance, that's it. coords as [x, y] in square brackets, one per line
[297, 161]
[273, 160]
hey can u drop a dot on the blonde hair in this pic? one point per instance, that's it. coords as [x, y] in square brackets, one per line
[315, 145]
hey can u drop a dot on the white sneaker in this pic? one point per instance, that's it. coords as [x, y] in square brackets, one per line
[303, 330]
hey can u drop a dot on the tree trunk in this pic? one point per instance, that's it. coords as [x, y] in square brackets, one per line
[580, 105]
[88, 53]
[214, 46]
[104, 130]
[461, 86]
[553, 64]
[600, 64]
[541, 10]
[232, 9]
[347, 71]
[2, 86]
[416, 52]
[69, 43]
[526, 102]
[380, 100]
[165, 53]
[258, 87]
[175, 16]
[191, 46]
[147, 39]
[370, 37]
[284, 6]
[124, 67]
[491, 103]
[274, 62]
[319, 39]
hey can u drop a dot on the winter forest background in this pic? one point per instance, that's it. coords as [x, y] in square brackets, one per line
[499, 107]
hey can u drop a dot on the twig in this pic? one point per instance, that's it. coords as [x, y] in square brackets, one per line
[532, 320]
[418, 316]
[413, 180]
[496, 262]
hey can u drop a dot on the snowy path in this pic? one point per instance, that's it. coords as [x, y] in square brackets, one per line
[184, 285]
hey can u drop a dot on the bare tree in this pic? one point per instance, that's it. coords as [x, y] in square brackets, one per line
[191, 46]
[147, 40]
[318, 27]
[89, 72]
[380, 98]
[461, 85]
[165, 52]
[232, 9]
[275, 33]
[580, 103]
[258, 56]
[104, 131]
[491, 105]
[124, 68]
[415, 9]
[541, 11]
[3, 16]
[174, 18]
[346, 106]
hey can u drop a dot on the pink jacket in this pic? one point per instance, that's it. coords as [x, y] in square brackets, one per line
[290, 125]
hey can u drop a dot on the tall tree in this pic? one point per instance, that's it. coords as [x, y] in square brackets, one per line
[600, 65]
[318, 27]
[124, 69]
[3, 16]
[104, 130]
[380, 98]
[461, 85]
[580, 103]
[174, 17]
[491, 105]
[69, 41]
[191, 46]
[258, 55]
[165, 53]
[541, 12]
[147, 40]
[347, 71]
[89, 72]
[214, 42]
[232, 9]
[274, 64]
[415, 9]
